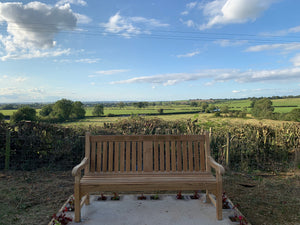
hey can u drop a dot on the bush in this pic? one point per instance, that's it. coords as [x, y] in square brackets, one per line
[24, 113]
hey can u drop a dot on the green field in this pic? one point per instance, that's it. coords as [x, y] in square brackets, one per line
[112, 114]
[280, 105]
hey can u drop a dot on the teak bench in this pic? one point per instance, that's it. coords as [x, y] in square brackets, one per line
[143, 163]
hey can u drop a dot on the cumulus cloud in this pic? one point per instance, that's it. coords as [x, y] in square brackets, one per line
[218, 76]
[33, 26]
[190, 54]
[221, 12]
[284, 47]
[131, 26]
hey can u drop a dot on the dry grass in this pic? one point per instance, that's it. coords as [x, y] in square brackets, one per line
[272, 199]
[32, 197]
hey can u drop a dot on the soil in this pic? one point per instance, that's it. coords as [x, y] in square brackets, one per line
[31, 198]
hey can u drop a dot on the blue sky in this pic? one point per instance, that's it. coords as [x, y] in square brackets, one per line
[137, 50]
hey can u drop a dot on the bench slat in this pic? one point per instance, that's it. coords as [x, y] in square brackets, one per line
[122, 145]
[155, 156]
[173, 153]
[196, 156]
[99, 152]
[104, 157]
[140, 152]
[179, 158]
[162, 156]
[127, 161]
[168, 156]
[202, 157]
[110, 156]
[191, 156]
[133, 165]
[184, 153]
[93, 153]
[117, 150]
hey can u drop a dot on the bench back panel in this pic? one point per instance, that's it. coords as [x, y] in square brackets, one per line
[145, 153]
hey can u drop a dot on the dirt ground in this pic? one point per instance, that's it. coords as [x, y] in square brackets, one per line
[32, 198]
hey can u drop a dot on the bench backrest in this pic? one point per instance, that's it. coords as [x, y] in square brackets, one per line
[147, 153]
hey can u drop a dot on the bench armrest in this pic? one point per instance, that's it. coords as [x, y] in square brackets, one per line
[77, 169]
[218, 167]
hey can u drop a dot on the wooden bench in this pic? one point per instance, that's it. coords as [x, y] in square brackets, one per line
[147, 163]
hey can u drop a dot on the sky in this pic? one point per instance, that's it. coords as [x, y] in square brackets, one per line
[144, 50]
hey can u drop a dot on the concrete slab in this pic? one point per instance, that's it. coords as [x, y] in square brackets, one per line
[167, 210]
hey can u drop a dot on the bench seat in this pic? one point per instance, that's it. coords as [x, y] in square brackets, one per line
[147, 182]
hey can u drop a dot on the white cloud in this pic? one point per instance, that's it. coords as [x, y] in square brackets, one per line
[30, 54]
[33, 26]
[218, 75]
[236, 91]
[228, 43]
[131, 26]
[75, 2]
[82, 19]
[191, 54]
[87, 60]
[221, 12]
[282, 32]
[296, 60]
[110, 72]
[285, 47]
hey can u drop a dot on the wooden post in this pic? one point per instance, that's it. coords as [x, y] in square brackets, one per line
[228, 150]
[7, 150]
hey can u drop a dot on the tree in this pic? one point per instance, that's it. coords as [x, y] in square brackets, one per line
[1, 116]
[262, 108]
[46, 110]
[121, 105]
[62, 109]
[294, 115]
[98, 110]
[141, 104]
[24, 113]
[194, 104]
[204, 106]
[78, 110]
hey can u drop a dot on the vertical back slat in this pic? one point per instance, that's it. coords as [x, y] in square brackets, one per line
[128, 150]
[148, 154]
[155, 156]
[117, 149]
[162, 156]
[140, 153]
[179, 158]
[133, 160]
[93, 157]
[122, 146]
[202, 157]
[191, 156]
[110, 156]
[99, 153]
[173, 156]
[104, 157]
[196, 156]
[184, 153]
[167, 156]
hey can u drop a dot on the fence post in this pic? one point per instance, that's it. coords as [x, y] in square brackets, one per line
[228, 150]
[7, 150]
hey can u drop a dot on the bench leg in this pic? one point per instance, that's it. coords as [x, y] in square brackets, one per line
[87, 201]
[207, 197]
[219, 200]
[77, 202]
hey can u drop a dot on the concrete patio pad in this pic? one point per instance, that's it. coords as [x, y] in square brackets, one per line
[167, 210]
